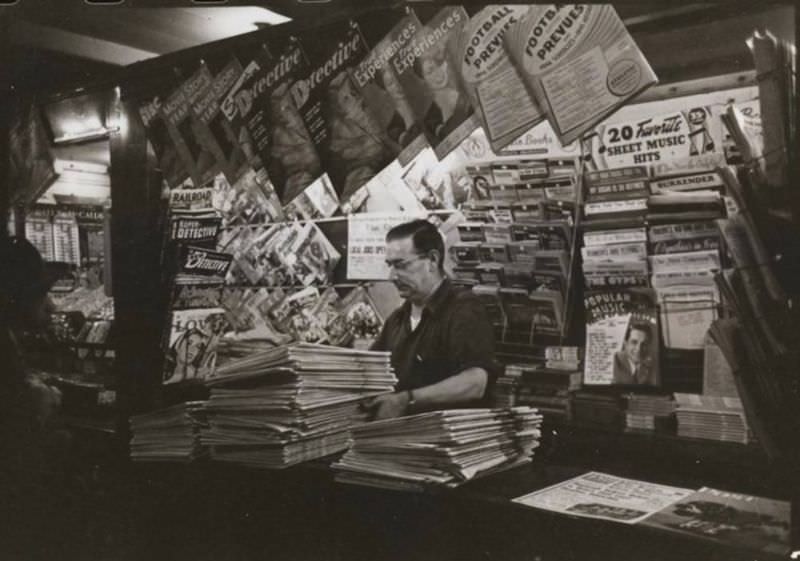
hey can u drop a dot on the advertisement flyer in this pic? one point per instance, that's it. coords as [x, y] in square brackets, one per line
[579, 62]
[433, 85]
[366, 244]
[496, 91]
[600, 495]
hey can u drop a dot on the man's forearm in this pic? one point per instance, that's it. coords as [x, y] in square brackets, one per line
[468, 385]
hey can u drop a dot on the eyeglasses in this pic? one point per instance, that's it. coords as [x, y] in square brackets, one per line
[402, 264]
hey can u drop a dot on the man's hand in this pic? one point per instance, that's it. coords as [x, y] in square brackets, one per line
[387, 406]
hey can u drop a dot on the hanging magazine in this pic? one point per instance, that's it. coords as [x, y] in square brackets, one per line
[622, 338]
[157, 127]
[282, 141]
[217, 131]
[579, 62]
[192, 347]
[351, 142]
[495, 88]
[194, 147]
[376, 79]
[433, 84]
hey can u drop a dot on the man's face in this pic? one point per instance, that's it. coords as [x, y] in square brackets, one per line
[633, 346]
[413, 274]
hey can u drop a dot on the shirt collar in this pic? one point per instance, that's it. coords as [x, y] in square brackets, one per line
[436, 300]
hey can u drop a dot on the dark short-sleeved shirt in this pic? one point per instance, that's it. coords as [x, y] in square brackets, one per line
[453, 334]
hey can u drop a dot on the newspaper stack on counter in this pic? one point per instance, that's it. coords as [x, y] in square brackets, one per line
[439, 448]
[648, 412]
[170, 434]
[292, 403]
[712, 418]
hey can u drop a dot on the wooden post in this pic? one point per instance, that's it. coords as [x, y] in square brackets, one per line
[135, 253]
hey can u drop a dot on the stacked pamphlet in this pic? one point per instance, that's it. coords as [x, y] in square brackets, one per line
[170, 434]
[547, 389]
[439, 448]
[563, 358]
[598, 410]
[712, 418]
[648, 412]
[292, 403]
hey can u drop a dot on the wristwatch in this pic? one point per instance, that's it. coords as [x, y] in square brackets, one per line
[411, 403]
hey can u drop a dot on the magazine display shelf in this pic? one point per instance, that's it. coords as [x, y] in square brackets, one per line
[137, 188]
[136, 239]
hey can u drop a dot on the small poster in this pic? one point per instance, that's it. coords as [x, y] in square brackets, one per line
[604, 496]
[622, 338]
[366, 244]
[693, 133]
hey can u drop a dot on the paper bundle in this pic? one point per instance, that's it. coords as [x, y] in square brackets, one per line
[439, 448]
[170, 434]
[292, 403]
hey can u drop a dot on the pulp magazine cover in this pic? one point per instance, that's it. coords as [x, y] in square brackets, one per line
[493, 84]
[249, 200]
[622, 338]
[264, 101]
[172, 167]
[217, 131]
[379, 85]
[744, 520]
[200, 158]
[579, 62]
[352, 144]
[192, 345]
[434, 85]
[236, 106]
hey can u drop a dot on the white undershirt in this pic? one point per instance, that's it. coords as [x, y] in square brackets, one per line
[414, 320]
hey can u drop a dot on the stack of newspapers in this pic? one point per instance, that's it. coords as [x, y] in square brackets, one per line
[439, 448]
[712, 418]
[648, 412]
[170, 434]
[292, 403]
